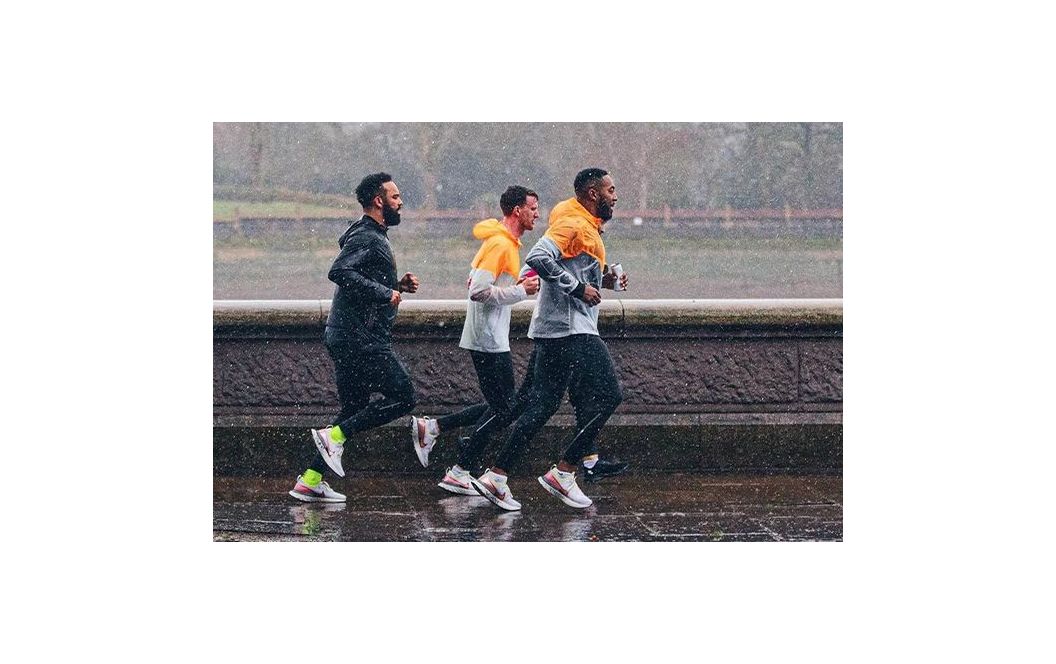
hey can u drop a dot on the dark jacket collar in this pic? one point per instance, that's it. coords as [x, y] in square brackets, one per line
[370, 223]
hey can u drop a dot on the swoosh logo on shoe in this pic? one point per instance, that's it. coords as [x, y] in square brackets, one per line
[494, 490]
[450, 480]
[554, 483]
[421, 437]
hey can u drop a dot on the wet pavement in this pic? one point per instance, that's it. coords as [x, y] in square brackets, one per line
[667, 507]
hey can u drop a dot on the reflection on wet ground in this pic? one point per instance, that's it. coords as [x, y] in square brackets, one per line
[639, 507]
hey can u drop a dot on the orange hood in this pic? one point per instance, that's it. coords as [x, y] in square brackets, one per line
[498, 251]
[576, 231]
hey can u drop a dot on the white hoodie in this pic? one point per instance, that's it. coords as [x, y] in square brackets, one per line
[492, 289]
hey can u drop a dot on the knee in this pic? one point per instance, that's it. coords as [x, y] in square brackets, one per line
[540, 410]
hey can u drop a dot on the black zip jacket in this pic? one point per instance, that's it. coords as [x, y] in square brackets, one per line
[365, 274]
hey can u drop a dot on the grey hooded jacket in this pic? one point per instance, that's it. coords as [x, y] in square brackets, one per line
[560, 312]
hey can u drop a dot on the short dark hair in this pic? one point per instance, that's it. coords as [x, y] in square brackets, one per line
[513, 196]
[587, 178]
[370, 187]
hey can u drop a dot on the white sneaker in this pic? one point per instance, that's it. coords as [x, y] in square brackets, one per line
[318, 494]
[563, 485]
[457, 480]
[493, 487]
[424, 437]
[330, 450]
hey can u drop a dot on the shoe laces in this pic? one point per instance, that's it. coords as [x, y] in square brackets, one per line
[563, 478]
[497, 479]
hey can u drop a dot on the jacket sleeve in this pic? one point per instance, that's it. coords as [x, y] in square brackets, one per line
[482, 288]
[350, 271]
[543, 259]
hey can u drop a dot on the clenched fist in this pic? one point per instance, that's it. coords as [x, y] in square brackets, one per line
[409, 283]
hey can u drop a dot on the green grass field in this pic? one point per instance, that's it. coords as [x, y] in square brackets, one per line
[230, 210]
[691, 265]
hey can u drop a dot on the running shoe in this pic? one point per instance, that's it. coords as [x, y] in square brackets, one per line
[563, 486]
[317, 494]
[459, 481]
[424, 431]
[603, 468]
[493, 487]
[330, 450]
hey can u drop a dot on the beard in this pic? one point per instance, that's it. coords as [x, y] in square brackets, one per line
[390, 215]
[604, 210]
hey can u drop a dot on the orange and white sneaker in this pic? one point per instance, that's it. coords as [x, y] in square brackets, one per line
[424, 431]
[493, 487]
[459, 481]
[322, 493]
[563, 486]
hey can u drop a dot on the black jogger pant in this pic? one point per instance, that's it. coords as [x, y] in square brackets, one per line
[359, 375]
[495, 376]
[495, 373]
[582, 361]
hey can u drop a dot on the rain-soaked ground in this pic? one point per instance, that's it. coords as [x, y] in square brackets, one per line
[664, 507]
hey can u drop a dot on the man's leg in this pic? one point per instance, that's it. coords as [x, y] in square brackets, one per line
[495, 374]
[352, 391]
[480, 412]
[550, 379]
[594, 467]
[596, 396]
[386, 375]
[460, 478]
[426, 430]
[353, 394]
[524, 392]
[465, 417]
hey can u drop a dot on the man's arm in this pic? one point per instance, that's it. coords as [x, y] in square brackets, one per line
[348, 272]
[482, 288]
[543, 259]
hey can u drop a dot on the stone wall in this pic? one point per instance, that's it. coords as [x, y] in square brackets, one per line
[685, 366]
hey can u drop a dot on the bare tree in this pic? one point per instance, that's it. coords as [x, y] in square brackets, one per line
[258, 136]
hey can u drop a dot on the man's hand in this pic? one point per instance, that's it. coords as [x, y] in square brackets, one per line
[531, 285]
[409, 283]
[591, 295]
[395, 299]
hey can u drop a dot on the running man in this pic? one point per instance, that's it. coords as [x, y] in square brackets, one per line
[495, 285]
[359, 335]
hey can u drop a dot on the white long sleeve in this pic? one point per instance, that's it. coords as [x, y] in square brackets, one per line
[482, 289]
